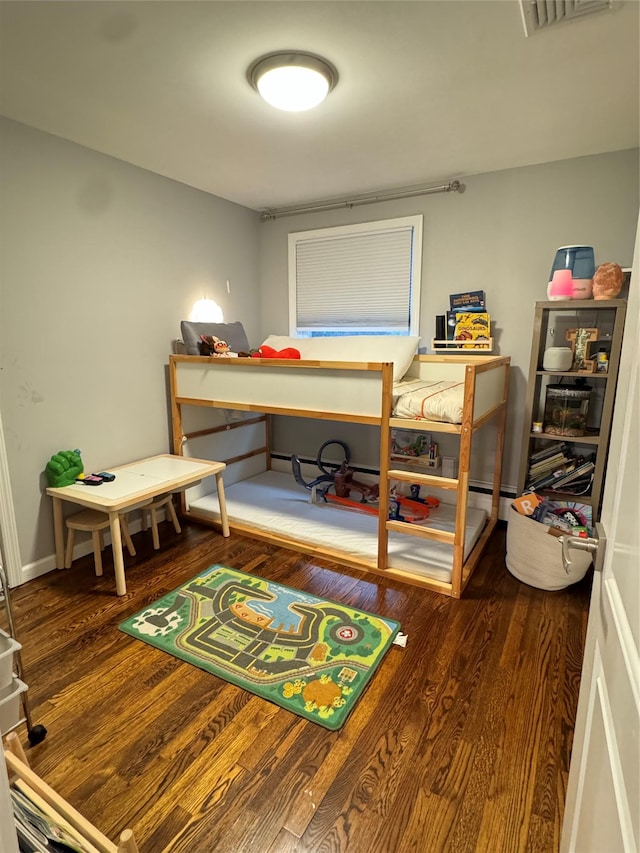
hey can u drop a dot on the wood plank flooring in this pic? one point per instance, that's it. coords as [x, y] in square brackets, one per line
[460, 743]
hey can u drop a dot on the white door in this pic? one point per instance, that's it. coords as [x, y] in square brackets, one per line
[602, 813]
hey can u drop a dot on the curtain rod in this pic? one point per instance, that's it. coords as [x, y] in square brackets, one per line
[337, 203]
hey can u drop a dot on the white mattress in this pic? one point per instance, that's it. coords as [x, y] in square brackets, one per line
[273, 501]
[432, 401]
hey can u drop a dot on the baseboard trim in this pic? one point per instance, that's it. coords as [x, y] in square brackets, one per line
[31, 571]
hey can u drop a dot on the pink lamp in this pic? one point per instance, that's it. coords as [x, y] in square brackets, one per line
[560, 286]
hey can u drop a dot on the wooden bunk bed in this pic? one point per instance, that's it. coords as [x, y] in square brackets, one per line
[248, 391]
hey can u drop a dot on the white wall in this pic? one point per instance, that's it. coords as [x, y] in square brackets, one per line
[100, 261]
[500, 236]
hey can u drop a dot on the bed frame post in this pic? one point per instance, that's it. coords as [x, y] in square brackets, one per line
[500, 430]
[464, 466]
[268, 424]
[176, 415]
[176, 426]
[386, 405]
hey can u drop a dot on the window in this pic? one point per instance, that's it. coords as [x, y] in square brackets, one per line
[356, 279]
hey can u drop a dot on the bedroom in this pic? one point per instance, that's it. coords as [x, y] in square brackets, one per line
[123, 253]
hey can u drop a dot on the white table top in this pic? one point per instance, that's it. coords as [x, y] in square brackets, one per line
[138, 481]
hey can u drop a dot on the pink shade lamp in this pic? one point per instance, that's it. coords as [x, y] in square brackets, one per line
[560, 286]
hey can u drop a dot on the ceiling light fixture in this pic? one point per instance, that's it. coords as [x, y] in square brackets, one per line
[292, 81]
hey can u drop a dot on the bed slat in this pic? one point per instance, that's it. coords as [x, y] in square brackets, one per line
[424, 479]
[420, 531]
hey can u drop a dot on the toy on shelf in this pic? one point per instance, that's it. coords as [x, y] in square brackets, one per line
[581, 340]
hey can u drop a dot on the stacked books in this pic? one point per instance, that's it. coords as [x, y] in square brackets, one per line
[467, 320]
[579, 480]
[41, 832]
[544, 463]
[557, 468]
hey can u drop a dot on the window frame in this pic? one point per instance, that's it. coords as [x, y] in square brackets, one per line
[340, 231]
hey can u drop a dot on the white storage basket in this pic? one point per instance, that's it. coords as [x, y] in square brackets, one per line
[534, 556]
[8, 646]
[10, 714]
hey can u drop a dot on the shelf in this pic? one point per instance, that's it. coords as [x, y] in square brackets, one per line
[551, 322]
[569, 439]
[571, 374]
[424, 479]
[579, 304]
[486, 348]
[565, 496]
[423, 462]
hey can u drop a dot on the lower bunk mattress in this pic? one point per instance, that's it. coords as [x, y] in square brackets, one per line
[273, 502]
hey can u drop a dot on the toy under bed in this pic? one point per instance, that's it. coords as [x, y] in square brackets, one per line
[274, 503]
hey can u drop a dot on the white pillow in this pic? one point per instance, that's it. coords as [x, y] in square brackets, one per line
[398, 349]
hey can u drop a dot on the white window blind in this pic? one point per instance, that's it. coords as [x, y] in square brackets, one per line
[363, 278]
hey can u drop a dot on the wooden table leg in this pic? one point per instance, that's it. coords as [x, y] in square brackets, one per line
[58, 532]
[118, 558]
[223, 505]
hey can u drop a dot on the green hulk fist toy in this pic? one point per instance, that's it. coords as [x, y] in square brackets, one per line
[64, 468]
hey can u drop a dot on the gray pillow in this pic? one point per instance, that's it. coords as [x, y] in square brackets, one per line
[233, 333]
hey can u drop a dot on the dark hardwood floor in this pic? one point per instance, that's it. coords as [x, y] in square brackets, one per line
[461, 742]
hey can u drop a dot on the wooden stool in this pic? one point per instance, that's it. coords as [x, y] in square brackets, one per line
[94, 522]
[152, 509]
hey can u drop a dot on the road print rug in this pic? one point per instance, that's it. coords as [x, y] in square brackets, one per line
[309, 655]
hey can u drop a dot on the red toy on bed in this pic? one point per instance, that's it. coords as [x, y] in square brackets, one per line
[270, 352]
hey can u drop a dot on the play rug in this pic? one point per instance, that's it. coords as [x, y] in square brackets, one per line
[311, 656]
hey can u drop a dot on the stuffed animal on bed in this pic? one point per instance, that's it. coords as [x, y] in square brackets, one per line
[213, 346]
[270, 352]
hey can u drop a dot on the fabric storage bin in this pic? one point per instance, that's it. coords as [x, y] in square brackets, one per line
[10, 714]
[534, 556]
[8, 646]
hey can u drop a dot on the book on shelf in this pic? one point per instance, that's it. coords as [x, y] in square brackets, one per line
[469, 302]
[578, 487]
[580, 472]
[550, 450]
[550, 480]
[548, 464]
[472, 300]
[574, 476]
[546, 470]
[473, 329]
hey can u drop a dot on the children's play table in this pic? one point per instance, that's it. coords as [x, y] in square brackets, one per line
[135, 484]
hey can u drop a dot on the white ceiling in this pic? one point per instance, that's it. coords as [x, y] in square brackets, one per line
[429, 90]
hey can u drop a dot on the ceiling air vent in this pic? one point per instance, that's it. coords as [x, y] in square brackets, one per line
[539, 15]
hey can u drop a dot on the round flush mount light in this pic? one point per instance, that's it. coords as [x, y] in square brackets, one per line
[293, 81]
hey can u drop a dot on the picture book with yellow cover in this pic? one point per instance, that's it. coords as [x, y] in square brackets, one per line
[474, 327]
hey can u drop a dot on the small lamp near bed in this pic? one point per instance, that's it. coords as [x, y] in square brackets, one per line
[206, 311]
